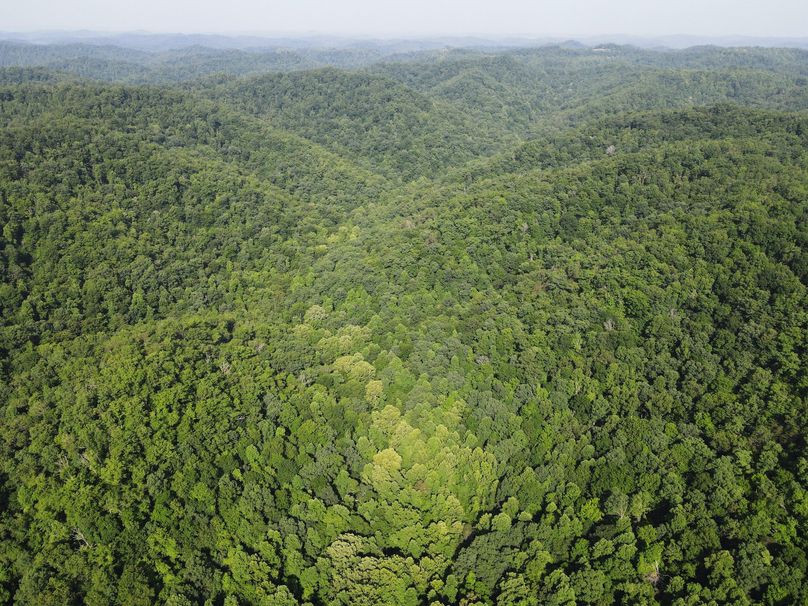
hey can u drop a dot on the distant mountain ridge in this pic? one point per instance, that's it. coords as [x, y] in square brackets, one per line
[169, 41]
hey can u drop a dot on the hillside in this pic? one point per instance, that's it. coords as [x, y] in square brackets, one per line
[460, 327]
[372, 119]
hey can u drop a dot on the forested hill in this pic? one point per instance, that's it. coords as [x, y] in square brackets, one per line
[450, 327]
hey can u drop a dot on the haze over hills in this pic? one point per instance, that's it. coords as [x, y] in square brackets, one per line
[171, 41]
[402, 322]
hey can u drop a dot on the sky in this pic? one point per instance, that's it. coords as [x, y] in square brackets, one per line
[775, 18]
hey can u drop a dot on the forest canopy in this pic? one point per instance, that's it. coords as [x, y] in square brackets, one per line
[453, 327]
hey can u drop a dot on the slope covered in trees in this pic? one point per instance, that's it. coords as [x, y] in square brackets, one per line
[461, 328]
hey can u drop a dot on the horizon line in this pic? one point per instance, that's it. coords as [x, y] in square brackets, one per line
[384, 35]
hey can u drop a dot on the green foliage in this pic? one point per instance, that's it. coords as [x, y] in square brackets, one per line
[466, 328]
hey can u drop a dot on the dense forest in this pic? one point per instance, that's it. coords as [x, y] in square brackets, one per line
[445, 327]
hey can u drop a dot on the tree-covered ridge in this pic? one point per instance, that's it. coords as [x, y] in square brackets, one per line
[629, 132]
[373, 119]
[524, 88]
[250, 355]
[115, 64]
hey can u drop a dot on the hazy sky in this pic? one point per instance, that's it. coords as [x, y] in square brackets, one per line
[384, 17]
